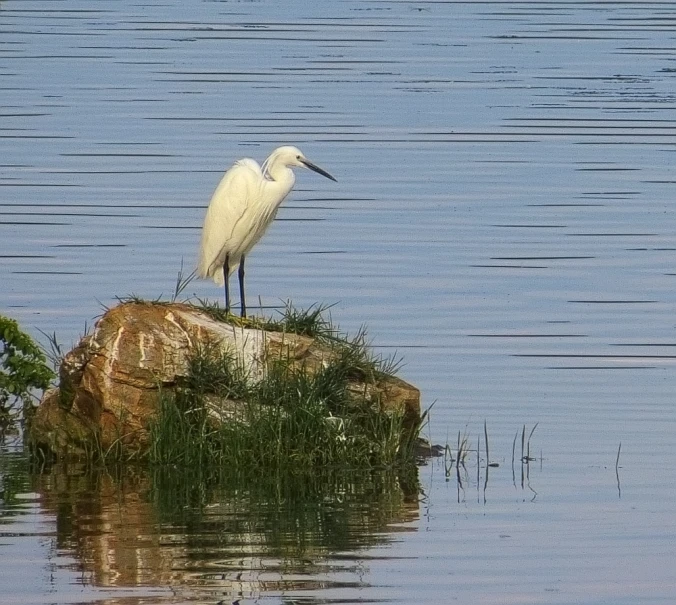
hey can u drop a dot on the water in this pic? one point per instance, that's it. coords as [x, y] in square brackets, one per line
[503, 220]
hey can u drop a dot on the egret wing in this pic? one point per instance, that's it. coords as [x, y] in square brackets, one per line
[227, 209]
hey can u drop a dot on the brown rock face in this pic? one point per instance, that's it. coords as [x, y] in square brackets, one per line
[111, 381]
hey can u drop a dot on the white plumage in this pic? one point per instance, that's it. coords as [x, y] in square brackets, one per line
[241, 209]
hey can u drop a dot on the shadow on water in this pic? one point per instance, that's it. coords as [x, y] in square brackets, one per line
[220, 535]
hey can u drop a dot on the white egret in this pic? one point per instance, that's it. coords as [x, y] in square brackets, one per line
[241, 209]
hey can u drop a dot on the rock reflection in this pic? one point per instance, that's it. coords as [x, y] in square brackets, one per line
[226, 536]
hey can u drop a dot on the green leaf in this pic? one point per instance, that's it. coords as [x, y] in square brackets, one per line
[23, 366]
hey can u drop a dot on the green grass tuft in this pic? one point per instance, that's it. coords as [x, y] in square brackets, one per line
[291, 419]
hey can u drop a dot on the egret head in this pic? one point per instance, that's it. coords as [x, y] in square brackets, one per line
[292, 156]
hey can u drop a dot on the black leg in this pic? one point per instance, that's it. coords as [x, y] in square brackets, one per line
[240, 274]
[226, 274]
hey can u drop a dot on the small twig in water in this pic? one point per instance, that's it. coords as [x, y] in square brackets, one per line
[527, 457]
[617, 471]
[478, 460]
[488, 461]
[516, 436]
[448, 457]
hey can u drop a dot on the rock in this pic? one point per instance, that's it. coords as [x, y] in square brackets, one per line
[111, 382]
[56, 430]
[422, 448]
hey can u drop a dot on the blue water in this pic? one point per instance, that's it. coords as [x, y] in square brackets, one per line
[503, 220]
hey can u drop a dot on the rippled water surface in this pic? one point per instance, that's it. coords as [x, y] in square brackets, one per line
[503, 219]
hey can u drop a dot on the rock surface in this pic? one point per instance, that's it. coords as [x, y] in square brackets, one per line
[110, 383]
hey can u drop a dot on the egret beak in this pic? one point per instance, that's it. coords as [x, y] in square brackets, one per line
[317, 169]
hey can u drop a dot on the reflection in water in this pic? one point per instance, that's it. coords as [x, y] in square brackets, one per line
[224, 536]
